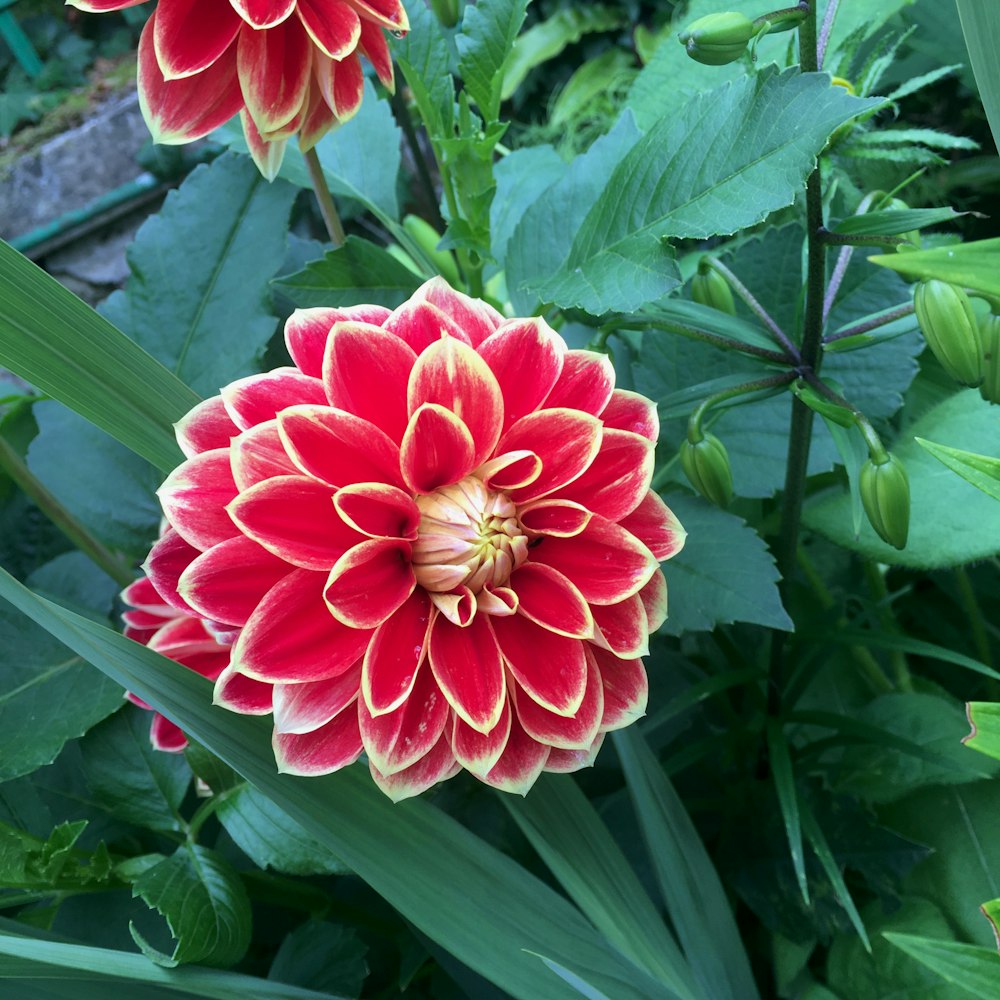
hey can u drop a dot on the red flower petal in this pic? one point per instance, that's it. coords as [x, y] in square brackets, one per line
[618, 478]
[654, 601]
[369, 582]
[191, 34]
[437, 449]
[275, 68]
[142, 594]
[655, 525]
[586, 382]
[522, 761]
[318, 118]
[332, 25]
[474, 751]
[242, 694]
[178, 111]
[606, 562]
[510, 470]
[307, 330]
[374, 46]
[466, 664]
[166, 736]
[626, 689]
[263, 13]
[459, 607]
[394, 655]
[575, 732]
[366, 372]
[475, 319]
[338, 447]
[568, 761]
[562, 518]
[342, 84]
[167, 559]
[227, 582]
[629, 411]
[267, 154]
[565, 440]
[322, 751]
[546, 597]
[293, 637]
[551, 668]
[623, 627]
[103, 6]
[259, 454]
[378, 511]
[294, 517]
[207, 427]
[526, 356]
[388, 13]
[419, 324]
[194, 498]
[303, 708]
[259, 398]
[433, 767]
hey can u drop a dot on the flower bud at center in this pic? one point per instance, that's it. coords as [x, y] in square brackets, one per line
[468, 536]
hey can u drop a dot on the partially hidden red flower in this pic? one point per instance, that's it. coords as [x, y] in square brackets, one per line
[436, 538]
[286, 67]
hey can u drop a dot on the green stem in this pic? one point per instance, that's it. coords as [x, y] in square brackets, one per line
[974, 613]
[693, 333]
[875, 447]
[745, 388]
[431, 208]
[872, 324]
[80, 536]
[327, 209]
[472, 273]
[861, 239]
[876, 584]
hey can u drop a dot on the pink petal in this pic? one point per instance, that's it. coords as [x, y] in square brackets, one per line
[546, 597]
[655, 525]
[303, 708]
[629, 411]
[389, 13]
[332, 25]
[258, 454]
[568, 761]
[263, 13]
[259, 398]
[103, 6]
[551, 668]
[510, 470]
[294, 517]
[275, 69]
[522, 761]
[166, 736]
[369, 582]
[318, 118]
[566, 441]
[307, 330]
[167, 560]
[586, 382]
[436, 766]
[394, 655]
[207, 427]
[474, 751]
[605, 562]
[420, 324]
[437, 449]
[267, 154]
[338, 447]
[654, 601]
[191, 34]
[526, 356]
[623, 628]
[466, 664]
[378, 511]
[575, 732]
[142, 594]
[293, 637]
[373, 45]
[626, 689]
[243, 695]
[476, 319]
[342, 84]
[322, 751]
[366, 372]
[562, 518]
[618, 478]
[194, 498]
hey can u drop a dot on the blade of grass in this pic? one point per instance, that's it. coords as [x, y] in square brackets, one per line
[966, 965]
[784, 784]
[982, 38]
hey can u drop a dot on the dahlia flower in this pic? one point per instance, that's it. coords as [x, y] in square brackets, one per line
[435, 538]
[285, 66]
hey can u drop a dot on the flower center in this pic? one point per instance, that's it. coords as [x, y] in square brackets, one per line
[468, 536]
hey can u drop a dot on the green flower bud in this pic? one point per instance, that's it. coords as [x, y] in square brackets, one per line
[709, 288]
[718, 38]
[885, 493]
[989, 330]
[949, 325]
[706, 464]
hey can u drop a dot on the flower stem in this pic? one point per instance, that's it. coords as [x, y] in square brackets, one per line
[80, 536]
[870, 324]
[861, 239]
[745, 388]
[847, 252]
[327, 209]
[824, 33]
[693, 333]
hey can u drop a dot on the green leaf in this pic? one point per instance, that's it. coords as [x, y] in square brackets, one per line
[425, 59]
[205, 906]
[695, 898]
[322, 956]
[892, 221]
[784, 785]
[441, 877]
[973, 265]
[951, 522]
[198, 298]
[982, 37]
[51, 339]
[28, 862]
[522, 176]
[980, 470]
[984, 717]
[270, 838]
[905, 644]
[701, 317]
[907, 136]
[128, 777]
[358, 271]
[724, 573]
[485, 45]
[976, 970]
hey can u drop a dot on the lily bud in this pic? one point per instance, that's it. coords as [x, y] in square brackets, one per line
[709, 288]
[885, 494]
[717, 39]
[706, 464]
[989, 330]
[949, 325]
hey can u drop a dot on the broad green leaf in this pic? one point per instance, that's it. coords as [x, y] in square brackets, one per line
[784, 786]
[204, 903]
[892, 221]
[984, 717]
[951, 522]
[485, 46]
[688, 313]
[74, 581]
[982, 471]
[358, 271]
[592, 84]
[522, 176]
[582, 987]
[724, 573]
[127, 776]
[779, 123]
[697, 903]
[982, 36]
[425, 59]
[442, 878]
[198, 299]
[975, 970]
[574, 843]
[59, 344]
[322, 956]
[973, 265]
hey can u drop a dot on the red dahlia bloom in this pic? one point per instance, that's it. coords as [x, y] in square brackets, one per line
[286, 66]
[436, 538]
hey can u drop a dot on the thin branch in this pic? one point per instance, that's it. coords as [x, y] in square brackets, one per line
[693, 333]
[825, 30]
[327, 208]
[871, 324]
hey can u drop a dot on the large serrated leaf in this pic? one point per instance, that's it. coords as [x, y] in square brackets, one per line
[485, 45]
